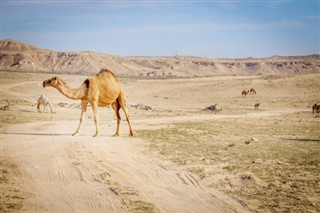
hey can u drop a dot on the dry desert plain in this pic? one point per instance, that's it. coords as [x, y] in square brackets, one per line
[182, 158]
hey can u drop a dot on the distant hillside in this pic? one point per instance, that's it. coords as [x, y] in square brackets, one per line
[17, 56]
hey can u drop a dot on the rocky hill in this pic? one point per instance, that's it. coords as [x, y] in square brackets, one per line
[16, 56]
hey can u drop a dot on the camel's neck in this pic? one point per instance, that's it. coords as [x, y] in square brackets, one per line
[74, 94]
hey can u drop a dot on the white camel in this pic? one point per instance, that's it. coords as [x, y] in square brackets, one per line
[44, 100]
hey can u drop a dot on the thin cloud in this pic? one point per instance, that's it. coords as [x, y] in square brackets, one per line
[203, 27]
[275, 3]
[229, 5]
[312, 17]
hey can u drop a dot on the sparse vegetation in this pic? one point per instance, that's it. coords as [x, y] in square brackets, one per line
[199, 171]
[283, 162]
[11, 197]
[130, 197]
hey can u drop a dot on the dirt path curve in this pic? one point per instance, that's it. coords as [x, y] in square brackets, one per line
[9, 89]
[106, 174]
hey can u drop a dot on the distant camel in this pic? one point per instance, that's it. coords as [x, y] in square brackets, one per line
[44, 100]
[256, 106]
[245, 92]
[316, 108]
[253, 91]
[102, 90]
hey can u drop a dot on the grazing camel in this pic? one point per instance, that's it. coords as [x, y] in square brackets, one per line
[102, 90]
[253, 91]
[44, 100]
[245, 92]
[256, 106]
[316, 108]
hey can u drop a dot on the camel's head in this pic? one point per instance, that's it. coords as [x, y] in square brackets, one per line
[53, 82]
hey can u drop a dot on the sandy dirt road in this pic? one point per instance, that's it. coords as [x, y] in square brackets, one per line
[106, 174]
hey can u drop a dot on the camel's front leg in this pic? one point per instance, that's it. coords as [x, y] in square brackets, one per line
[83, 110]
[95, 117]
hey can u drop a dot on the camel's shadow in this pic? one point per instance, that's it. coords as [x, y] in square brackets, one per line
[39, 134]
[303, 139]
[49, 134]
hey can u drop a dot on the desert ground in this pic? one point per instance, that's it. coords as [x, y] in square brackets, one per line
[182, 158]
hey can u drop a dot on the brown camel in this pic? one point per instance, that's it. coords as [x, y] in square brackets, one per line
[316, 108]
[253, 91]
[256, 106]
[245, 92]
[100, 90]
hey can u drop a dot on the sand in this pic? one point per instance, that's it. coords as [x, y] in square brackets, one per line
[46, 169]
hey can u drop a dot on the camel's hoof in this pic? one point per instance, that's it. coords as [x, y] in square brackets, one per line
[96, 135]
[131, 134]
[116, 135]
[75, 134]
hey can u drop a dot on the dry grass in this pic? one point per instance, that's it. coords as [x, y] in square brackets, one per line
[11, 196]
[273, 163]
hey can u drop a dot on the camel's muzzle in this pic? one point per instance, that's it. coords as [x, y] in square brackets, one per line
[44, 84]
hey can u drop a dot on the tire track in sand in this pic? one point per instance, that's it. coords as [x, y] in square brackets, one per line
[105, 174]
[60, 184]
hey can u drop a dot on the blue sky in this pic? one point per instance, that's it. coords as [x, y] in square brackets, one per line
[216, 29]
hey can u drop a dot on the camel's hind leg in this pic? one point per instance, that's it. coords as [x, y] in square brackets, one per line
[123, 104]
[95, 117]
[116, 108]
[83, 110]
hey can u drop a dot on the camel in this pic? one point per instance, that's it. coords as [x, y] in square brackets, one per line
[44, 100]
[102, 90]
[316, 108]
[256, 106]
[245, 92]
[253, 91]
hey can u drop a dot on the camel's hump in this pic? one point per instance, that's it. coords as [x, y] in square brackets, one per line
[106, 70]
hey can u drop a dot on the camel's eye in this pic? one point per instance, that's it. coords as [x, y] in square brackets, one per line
[54, 78]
